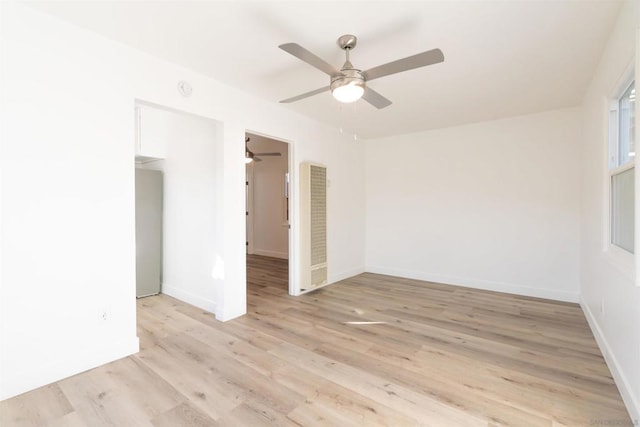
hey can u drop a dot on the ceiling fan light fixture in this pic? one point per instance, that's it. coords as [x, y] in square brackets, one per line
[348, 93]
[348, 87]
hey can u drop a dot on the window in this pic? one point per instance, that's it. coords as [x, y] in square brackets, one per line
[622, 154]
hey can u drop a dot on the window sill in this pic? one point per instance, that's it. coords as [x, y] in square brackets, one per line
[622, 260]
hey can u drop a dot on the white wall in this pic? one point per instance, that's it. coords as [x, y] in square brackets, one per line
[68, 192]
[68, 297]
[493, 205]
[607, 283]
[268, 214]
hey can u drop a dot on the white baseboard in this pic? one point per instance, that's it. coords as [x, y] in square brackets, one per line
[625, 389]
[94, 354]
[190, 298]
[345, 275]
[335, 278]
[272, 254]
[478, 284]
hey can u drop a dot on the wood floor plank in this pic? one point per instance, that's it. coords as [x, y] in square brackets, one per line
[183, 414]
[53, 404]
[371, 350]
[328, 403]
[99, 401]
[184, 370]
[376, 388]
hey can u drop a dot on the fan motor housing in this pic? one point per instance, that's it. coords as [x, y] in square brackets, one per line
[348, 76]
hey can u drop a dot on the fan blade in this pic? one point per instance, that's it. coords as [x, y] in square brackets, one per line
[308, 57]
[375, 99]
[423, 59]
[305, 95]
[268, 154]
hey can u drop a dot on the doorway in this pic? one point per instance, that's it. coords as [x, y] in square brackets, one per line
[267, 212]
[183, 150]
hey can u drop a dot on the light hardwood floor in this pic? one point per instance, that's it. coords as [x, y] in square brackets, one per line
[371, 350]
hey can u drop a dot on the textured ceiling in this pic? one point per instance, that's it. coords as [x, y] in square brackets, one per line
[502, 58]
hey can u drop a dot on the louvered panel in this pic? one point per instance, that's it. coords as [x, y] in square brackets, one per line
[313, 226]
[319, 275]
[318, 196]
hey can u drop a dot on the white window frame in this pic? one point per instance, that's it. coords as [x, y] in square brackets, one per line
[616, 255]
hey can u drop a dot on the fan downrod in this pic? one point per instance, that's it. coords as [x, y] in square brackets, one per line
[348, 41]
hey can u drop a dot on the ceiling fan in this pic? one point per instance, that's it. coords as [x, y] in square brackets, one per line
[350, 84]
[250, 156]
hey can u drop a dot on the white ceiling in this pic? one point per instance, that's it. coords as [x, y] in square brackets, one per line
[502, 58]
